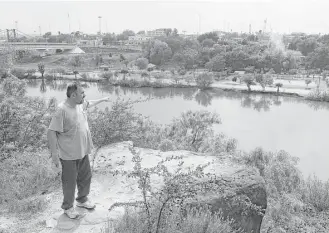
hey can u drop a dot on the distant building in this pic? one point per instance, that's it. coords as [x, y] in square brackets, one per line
[191, 36]
[138, 39]
[156, 32]
[89, 42]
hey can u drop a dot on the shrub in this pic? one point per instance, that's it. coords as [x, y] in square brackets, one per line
[85, 76]
[19, 73]
[24, 175]
[249, 81]
[182, 72]
[278, 85]
[317, 193]
[107, 75]
[195, 221]
[204, 81]
[142, 63]
[159, 76]
[166, 145]
[41, 68]
[24, 120]
[318, 95]
[144, 74]
[30, 73]
[307, 81]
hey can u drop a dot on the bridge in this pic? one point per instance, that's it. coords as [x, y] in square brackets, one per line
[37, 46]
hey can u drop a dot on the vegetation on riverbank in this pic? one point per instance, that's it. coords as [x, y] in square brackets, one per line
[295, 204]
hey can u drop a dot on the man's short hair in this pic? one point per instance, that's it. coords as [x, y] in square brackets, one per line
[71, 89]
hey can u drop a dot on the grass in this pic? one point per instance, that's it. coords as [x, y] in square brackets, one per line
[23, 178]
[194, 220]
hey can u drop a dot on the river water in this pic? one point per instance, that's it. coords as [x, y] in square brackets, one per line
[274, 123]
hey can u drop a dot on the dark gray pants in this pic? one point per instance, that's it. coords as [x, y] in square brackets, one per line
[75, 173]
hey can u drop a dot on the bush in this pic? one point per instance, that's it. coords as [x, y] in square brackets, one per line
[195, 221]
[24, 175]
[318, 95]
[85, 76]
[249, 80]
[142, 63]
[107, 75]
[31, 72]
[19, 73]
[159, 76]
[317, 193]
[204, 81]
[24, 120]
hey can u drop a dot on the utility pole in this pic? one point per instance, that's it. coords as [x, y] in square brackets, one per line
[40, 30]
[100, 25]
[16, 23]
[68, 16]
[199, 23]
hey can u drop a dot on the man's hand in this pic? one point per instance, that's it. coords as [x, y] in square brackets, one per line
[55, 158]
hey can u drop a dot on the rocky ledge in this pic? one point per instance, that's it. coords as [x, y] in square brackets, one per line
[241, 195]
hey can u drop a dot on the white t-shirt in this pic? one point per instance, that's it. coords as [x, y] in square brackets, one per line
[73, 135]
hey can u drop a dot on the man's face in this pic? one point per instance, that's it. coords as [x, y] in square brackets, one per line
[79, 96]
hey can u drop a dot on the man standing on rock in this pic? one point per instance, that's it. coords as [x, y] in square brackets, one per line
[70, 144]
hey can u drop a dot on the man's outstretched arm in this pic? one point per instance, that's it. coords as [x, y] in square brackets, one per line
[93, 103]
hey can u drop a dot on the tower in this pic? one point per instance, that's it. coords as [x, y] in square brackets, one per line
[100, 24]
[264, 29]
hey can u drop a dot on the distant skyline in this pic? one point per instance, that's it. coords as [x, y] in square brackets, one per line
[309, 16]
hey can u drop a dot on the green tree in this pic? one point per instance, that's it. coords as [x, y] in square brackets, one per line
[307, 81]
[75, 72]
[125, 35]
[249, 80]
[160, 52]
[204, 80]
[208, 43]
[210, 35]
[41, 68]
[278, 85]
[174, 32]
[264, 80]
[318, 59]
[307, 46]
[142, 63]
[217, 63]
[76, 61]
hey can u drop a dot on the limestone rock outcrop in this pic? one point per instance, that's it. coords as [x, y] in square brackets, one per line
[243, 198]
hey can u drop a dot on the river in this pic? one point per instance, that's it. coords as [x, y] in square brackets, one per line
[274, 123]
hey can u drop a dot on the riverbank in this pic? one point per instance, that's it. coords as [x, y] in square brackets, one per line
[295, 87]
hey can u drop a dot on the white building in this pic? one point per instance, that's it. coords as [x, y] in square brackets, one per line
[157, 32]
[138, 39]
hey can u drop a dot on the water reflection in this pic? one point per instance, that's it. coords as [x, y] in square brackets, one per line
[43, 87]
[203, 98]
[258, 102]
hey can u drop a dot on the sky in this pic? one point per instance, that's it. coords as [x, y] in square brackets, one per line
[283, 16]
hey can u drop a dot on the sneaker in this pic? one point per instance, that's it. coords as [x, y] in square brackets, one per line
[72, 213]
[87, 205]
